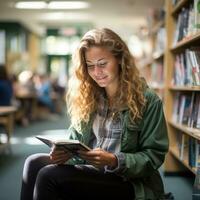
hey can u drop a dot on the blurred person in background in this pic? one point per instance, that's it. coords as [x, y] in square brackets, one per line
[6, 89]
[25, 95]
[26, 83]
[44, 88]
[119, 117]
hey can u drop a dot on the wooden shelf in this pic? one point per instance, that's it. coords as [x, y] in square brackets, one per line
[193, 132]
[186, 42]
[185, 88]
[184, 161]
[178, 6]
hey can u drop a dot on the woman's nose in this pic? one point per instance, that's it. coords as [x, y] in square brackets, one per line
[97, 70]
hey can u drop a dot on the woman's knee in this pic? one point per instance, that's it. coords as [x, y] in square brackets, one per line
[37, 159]
[46, 174]
[35, 162]
[57, 174]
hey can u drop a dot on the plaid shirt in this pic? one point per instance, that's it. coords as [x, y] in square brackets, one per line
[107, 133]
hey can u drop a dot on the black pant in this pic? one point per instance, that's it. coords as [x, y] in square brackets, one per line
[45, 181]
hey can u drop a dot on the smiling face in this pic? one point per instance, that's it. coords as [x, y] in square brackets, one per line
[103, 68]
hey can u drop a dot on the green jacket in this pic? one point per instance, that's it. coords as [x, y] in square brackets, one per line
[144, 144]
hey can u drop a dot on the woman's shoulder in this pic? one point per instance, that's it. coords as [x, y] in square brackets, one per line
[153, 106]
[151, 96]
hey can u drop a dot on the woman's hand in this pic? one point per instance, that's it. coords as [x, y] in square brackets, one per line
[59, 156]
[99, 158]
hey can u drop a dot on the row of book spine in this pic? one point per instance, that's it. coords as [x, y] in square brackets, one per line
[188, 149]
[187, 68]
[188, 22]
[186, 109]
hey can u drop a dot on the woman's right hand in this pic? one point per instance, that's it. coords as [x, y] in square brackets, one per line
[59, 156]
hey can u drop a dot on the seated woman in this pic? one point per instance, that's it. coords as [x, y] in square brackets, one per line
[119, 117]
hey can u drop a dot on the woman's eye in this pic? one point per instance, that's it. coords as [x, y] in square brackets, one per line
[103, 64]
[90, 66]
[100, 64]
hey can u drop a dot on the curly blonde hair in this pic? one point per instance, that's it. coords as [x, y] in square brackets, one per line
[83, 93]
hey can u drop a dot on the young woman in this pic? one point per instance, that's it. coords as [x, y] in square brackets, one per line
[119, 117]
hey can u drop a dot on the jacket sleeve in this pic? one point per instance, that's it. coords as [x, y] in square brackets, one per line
[152, 143]
[73, 134]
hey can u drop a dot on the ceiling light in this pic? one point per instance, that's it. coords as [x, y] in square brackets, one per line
[52, 5]
[68, 5]
[31, 5]
[63, 16]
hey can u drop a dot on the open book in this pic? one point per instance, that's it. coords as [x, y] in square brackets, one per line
[68, 145]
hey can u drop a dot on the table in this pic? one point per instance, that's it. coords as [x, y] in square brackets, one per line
[7, 119]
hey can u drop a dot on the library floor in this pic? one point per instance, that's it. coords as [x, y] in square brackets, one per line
[24, 144]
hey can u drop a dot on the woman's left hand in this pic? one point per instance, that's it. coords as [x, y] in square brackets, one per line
[99, 158]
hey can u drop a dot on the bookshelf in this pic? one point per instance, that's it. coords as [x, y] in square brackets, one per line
[178, 81]
[181, 86]
[153, 64]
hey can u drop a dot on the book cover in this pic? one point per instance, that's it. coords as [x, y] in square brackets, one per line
[192, 152]
[195, 111]
[197, 15]
[65, 144]
[187, 109]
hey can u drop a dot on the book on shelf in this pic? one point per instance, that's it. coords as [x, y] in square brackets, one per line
[64, 144]
[195, 121]
[191, 109]
[179, 70]
[184, 146]
[195, 61]
[180, 142]
[198, 115]
[176, 107]
[190, 28]
[193, 66]
[187, 68]
[188, 22]
[186, 109]
[182, 107]
[181, 26]
[194, 152]
[197, 15]
[196, 185]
